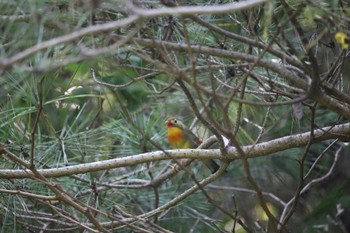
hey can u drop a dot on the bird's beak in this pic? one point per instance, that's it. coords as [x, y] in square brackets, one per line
[168, 123]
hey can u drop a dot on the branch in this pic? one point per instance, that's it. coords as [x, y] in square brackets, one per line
[15, 17]
[249, 191]
[251, 151]
[293, 79]
[5, 62]
[139, 15]
[29, 195]
[193, 10]
[183, 195]
[332, 103]
[311, 184]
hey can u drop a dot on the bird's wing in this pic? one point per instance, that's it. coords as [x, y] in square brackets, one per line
[193, 140]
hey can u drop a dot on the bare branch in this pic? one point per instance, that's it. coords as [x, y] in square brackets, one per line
[191, 10]
[258, 150]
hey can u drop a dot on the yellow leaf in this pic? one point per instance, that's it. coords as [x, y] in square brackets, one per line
[342, 39]
[260, 213]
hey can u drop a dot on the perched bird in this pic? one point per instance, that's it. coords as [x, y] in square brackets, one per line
[180, 137]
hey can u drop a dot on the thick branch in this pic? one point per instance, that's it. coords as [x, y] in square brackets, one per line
[251, 151]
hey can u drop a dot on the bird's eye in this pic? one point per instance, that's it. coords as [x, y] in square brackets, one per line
[175, 121]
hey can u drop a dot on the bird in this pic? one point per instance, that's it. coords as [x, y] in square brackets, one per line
[180, 137]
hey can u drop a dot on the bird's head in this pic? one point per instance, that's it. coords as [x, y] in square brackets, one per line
[174, 122]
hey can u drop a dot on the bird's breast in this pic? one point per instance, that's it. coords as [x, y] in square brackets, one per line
[175, 137]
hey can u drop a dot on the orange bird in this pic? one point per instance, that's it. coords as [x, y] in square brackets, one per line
[180, 137]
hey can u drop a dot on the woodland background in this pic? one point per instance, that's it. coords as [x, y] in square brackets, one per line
[86, 87]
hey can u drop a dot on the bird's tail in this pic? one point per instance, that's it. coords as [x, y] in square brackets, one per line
[212, 165]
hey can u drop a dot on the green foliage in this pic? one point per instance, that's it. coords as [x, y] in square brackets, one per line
[71, 104]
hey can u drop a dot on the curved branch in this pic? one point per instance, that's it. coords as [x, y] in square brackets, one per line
[334, 104]
[276, 67]
[139, 14]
